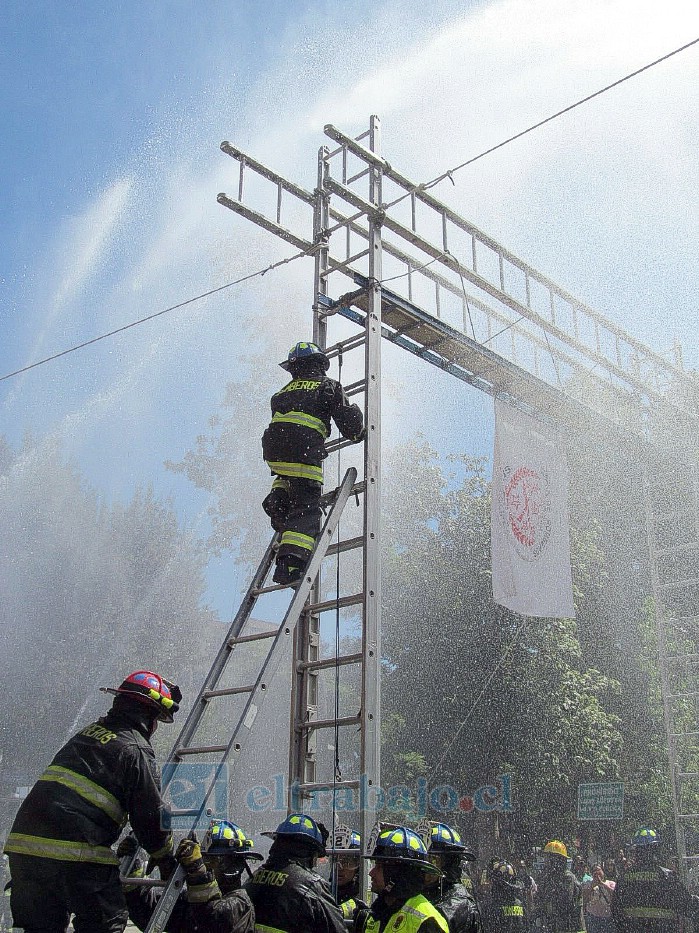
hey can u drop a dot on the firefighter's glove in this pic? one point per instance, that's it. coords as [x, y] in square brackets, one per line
[360, 437]
[167, 866]
[189, 856]
[128, 847]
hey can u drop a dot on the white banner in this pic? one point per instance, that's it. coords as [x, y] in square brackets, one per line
[530, 543]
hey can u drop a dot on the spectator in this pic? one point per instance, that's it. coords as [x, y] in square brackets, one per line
[597, 902]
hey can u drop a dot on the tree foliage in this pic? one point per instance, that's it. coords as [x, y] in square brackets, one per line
[477, 692]
[89, 593]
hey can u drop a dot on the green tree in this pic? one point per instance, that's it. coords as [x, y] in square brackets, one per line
[89, 593]
[481, 692]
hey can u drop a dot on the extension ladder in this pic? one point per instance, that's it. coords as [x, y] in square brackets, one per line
[186, 745]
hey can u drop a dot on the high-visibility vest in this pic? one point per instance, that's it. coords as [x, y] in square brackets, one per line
[409, 917]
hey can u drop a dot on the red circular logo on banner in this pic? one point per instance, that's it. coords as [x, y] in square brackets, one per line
[528, 509]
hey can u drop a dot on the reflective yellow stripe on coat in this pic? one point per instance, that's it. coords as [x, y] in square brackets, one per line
[297, 470]
[88, 790]
[409, 918]
[297, 539]
[62, 849]
[302, 418]
[649, 913]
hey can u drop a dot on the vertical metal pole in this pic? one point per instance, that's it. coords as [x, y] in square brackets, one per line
[663, 664]
[306, 647]
[371, 636]
[321, 216]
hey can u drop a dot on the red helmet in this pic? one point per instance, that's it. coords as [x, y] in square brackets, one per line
[153, 690]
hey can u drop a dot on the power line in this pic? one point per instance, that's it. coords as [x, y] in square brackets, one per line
[422, 187]
[480, 696]
[448, 174]
[150, 317]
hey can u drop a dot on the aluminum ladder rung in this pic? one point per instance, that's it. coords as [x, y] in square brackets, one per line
[675, 584]
[326, 663]
[273, 587]
[339, 444]
[350, 544]
[351, 343]
[258, 636]
[200, 750]
[312, 724]
[227, 692]
[355, 388]
[328, 786]
[677, 548]
[339, 603]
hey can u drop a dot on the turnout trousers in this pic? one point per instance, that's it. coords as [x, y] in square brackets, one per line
[45, 892]
[293, 506]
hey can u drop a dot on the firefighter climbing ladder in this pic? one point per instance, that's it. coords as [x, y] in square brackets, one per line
[462, 302]
[190, 744]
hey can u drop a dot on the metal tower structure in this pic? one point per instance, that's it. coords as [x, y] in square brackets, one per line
[432, 283]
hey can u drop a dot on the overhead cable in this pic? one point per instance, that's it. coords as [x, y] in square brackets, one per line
[448, 174]
[150, 317]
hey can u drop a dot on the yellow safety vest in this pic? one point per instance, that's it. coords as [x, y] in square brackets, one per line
[409, 918]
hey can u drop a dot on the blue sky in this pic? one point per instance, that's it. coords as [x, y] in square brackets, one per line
[110, 166]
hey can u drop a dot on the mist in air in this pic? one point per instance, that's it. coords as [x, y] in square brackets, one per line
[96, 442]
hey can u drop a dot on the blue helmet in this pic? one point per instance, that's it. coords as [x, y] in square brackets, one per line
[305, 352]
[345, 839]
[226, 838]
[445, 839]
[401, 844]
[644, 837]
[303, 828]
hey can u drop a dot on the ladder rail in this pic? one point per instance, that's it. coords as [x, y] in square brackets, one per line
[243, 728]
[221, 661]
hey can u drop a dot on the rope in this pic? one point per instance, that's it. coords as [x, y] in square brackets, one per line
[487, 683]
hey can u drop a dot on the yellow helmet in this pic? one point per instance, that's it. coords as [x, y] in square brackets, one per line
[556, 848]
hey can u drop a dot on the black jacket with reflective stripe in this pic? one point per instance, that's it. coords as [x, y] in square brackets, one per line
[649, 898]
[505, 912]
[101, 777]
[458, 906]
[559, 899]
[227, 913]
[290, 897]
[323, 399]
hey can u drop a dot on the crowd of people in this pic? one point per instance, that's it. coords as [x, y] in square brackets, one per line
[64, 864]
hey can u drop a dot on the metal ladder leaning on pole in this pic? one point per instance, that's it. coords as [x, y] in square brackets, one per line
[184, 745]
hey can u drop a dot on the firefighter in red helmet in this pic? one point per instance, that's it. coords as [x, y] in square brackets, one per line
[59, 847]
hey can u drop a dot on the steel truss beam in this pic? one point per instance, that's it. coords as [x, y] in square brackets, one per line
[459, 300]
